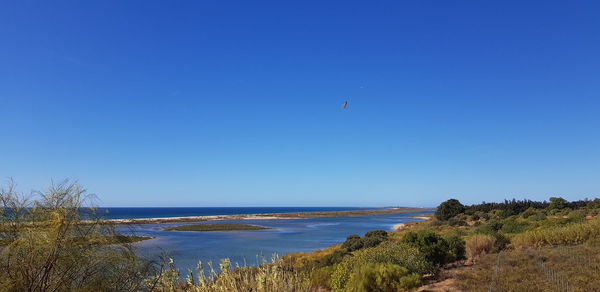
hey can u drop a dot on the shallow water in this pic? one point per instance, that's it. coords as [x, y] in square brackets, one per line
[286, 236]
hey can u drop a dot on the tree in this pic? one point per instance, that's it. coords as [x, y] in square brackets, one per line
[449, 209]
[557, 203]
[56, 243]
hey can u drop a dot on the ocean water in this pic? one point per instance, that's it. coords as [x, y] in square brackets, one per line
[161, 212]
[187, 248]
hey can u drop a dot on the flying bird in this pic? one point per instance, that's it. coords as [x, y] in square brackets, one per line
[345, 105]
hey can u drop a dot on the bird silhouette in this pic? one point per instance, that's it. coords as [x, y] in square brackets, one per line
[345, 105]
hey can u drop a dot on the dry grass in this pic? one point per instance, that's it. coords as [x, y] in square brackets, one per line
[479, 245]
[573, 268]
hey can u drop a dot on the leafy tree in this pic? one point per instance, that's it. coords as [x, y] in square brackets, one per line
[515, 206]
[557, 203]
[449, 209]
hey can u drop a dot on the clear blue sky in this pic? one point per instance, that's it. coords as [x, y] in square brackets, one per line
[238, 103]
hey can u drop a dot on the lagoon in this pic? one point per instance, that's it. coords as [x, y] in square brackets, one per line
[247, 247]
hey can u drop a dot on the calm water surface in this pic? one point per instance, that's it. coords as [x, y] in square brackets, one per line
[286, 236]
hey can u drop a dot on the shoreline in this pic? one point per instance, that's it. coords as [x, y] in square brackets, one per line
[265, 216]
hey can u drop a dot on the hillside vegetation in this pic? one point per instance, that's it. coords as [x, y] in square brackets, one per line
[56, 243]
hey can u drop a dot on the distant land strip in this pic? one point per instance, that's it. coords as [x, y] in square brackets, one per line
[298, 215]
[216, 227]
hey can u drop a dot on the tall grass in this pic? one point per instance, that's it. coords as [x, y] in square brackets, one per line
[270, 276]
[571, 234]
[479, 245]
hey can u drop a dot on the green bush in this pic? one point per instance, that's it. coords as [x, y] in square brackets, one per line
[371, 239]
[595, 204]
[513, 226]
[538, 216]
[374, 238]
[505, 213]
[335, 257]
[377, 233]
[557, 203]
[353, 242]
[437, 249]
[456, 248]
[382, 278]
[529, 212]
[449, 209]
[390, 252]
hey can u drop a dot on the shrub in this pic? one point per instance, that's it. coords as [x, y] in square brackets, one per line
[570, 234]
[371, 239]
[436, 248]
[538, 216]
[456, 249]
[374, 238]
[495, 225]
[505, 213]
[529, 212]
[485, 216]
[382, 278]
[377, 233]
[49, 246]
[449, 209]
[456, 222]
[320, 277]
[271, 276]
[335, 257]
[595, 204]
[390, 252]
[513, 226]
[557, 203]
[577, 216]
[353, 242]
[479, 245]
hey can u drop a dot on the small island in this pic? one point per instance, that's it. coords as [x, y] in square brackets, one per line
[216, 227]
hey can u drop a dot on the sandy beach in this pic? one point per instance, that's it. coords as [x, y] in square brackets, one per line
[302, 215]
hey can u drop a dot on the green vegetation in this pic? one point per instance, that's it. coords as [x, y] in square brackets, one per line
[563, 268]
[425, 251]
[53, 244]
[382, 277]
[566, 235]
[215, 227]
[449, 209]
[48, 248]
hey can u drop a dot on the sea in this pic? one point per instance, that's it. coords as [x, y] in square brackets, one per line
[188, 248]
